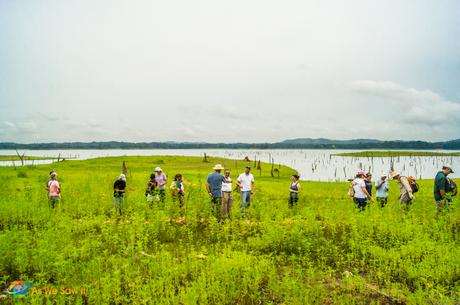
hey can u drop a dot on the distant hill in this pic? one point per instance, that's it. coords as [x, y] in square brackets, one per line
[323, 141]
[306, 143]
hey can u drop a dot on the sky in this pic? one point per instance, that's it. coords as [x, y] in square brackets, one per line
[229, 71]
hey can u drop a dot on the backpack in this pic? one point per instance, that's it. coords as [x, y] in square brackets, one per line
[451, 187]
[351, 190]
[413, 184]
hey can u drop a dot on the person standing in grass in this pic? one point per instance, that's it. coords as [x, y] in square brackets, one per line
[442, 187]
[382, 187]
[119, 188]
[54, 190]
[360, 192]
[150, 190]
[405, 190]
[178, 190]
[214, 188]
[227, 195]
[246, 183]
[368, 182]
[161, 179]
[294, 190]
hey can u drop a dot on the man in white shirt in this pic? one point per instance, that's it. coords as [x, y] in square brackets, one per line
[246, 183]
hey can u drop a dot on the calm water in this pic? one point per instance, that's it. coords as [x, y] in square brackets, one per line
[315, 165]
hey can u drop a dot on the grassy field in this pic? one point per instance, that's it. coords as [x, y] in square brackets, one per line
[321, 252]
[394, 153]
[16, 158]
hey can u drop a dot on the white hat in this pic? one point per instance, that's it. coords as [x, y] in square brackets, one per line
[384, 175]
[122, 177]
[393, 174]
[158, 169]
[218, 167]
[449, 167]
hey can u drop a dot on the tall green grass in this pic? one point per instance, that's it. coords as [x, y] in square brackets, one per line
[322, 252]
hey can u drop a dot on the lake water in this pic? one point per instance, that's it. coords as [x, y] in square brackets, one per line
[314, 165]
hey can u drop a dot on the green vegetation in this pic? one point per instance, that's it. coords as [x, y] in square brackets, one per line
[322, 252]
[26, 158]
[395, 153]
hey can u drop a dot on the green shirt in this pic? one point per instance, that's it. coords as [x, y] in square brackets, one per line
[440, 182]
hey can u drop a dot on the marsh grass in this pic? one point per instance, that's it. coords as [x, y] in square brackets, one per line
[321, 252]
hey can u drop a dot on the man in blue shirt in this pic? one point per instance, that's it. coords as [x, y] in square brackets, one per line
[382, 186]
[214, 188]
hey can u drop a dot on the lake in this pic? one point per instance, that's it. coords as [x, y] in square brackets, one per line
[314, 165]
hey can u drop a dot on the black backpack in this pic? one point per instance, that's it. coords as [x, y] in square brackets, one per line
[451, 187]
[414, 186]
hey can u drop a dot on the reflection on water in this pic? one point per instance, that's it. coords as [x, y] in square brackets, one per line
[315, 165]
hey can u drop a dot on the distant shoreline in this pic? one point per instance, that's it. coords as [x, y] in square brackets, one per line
[361, 144]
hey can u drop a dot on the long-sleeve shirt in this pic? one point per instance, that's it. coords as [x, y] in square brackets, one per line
[404, 187]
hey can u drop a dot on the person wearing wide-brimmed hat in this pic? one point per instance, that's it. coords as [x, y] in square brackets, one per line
[382, 186]
[360, 194]
[214, 187]
[442, 187]
[161, 179]
[405, 190]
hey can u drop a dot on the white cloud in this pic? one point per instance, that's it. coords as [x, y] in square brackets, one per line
[409, 105]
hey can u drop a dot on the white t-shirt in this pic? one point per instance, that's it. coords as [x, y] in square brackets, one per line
[358, 184]
[246, 182]
[227, 185]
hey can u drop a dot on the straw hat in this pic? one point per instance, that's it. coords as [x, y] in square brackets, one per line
[449, 167]
[158, 169]
[218, 167]
[393, 174]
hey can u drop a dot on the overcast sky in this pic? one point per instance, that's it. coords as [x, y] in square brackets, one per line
[226, 71]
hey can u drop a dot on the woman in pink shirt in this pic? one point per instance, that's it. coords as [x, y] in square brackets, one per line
[54, 190]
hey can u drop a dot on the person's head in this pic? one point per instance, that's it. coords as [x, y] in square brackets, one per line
[158, 170]
[122, 177]
[53, 175]
[218, 168]
[361, 174]
[369, 176]
[295, 178]
[383, 176]
[178, 178]
[395, 175]
[447, 169]
[152, 176]
[227, 173]
[247, 170]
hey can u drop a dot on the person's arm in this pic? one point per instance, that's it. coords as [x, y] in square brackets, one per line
[253, 186]
[367, 193]
[238, 182]
[441, 187]
[379, 186]
[208, 187]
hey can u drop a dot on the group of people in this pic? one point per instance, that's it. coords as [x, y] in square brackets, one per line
[361, 189]
[220, 189]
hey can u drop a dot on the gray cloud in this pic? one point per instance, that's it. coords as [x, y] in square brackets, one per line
[263, 70]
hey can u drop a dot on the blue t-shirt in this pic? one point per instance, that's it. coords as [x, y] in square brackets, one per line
[383, 190]
[215, 184]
